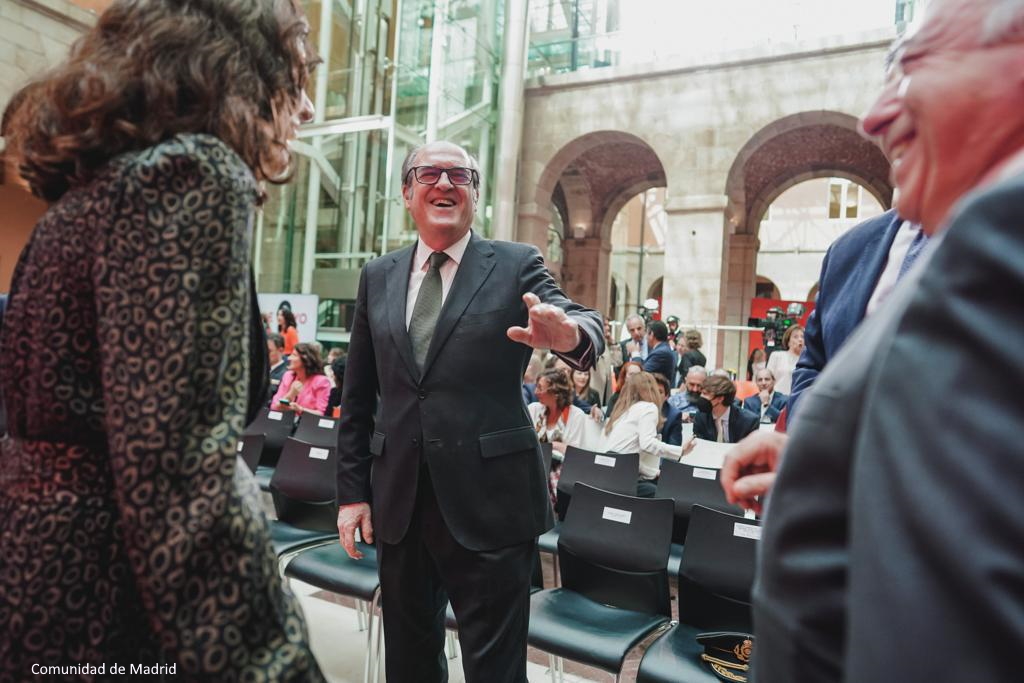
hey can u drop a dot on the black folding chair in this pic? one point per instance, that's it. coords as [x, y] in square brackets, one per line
[317, 430]
[615, 472]
[329, 568]
[249, 448]
[304, 499]
[714, 595]
[276, 427]
[687, 486]
[613, 551]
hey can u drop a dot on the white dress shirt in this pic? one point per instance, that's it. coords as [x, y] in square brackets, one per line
[905, 236]
[420, 265]
[636, 431]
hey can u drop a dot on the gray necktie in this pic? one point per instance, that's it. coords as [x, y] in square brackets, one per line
[427, 309]
[916, 247]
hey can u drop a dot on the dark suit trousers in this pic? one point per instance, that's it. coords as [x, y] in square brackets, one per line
[489, 592]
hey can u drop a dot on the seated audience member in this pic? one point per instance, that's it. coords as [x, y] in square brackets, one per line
[338, 371]
[334, 354]
[720, 419]
[691, 356]
[757, 360]
[783, 362]
[661, 359]
[558, 422]
[768, 403]
[634, 427]
[581, 387]
[686, 401]
[533, 369]
[628, 369]
[278, 363]
[602, 374]
[304, 388]
[672, 427]
[577, 400]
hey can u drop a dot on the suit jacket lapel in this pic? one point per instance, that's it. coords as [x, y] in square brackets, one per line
[477, 263]
[397, 295]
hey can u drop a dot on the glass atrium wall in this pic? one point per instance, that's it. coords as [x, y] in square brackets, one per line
[396, 74]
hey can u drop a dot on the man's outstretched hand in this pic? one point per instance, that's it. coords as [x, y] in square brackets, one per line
[748, 472]
[548, 327]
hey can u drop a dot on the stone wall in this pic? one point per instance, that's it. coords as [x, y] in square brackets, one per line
[702, 120]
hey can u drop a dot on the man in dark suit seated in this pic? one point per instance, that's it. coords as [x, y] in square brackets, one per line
[278, 363]
[724, 422]
[635, 347]
[768, 403]
[661, 360]
[458, 488]
[672, 428]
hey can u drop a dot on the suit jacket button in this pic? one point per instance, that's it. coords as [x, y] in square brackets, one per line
[415, 441]
[423, 395]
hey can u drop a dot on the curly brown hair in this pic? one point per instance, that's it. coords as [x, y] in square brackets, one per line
[310, 357]
[152, 69]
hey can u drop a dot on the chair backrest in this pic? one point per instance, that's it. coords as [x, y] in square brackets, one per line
[687, 486]
[317, 430]
[614, 549]
[276, 426]
[717, 570]
[745, 389]
[615, 472]
[249, 448]
[303, 486]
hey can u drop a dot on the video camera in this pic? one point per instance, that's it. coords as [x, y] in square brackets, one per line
[775, 323]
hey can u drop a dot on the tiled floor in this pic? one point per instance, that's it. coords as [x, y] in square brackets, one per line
[340, 647]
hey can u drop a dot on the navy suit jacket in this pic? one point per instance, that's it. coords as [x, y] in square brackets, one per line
[660, 359]
[672, 430]
[779, 400]
[849, 274]
[741, 423]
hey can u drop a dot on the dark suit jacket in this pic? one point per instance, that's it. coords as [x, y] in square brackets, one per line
[662, 360]
[753, 405]
[896, 520]
[672, 430]
[465, 417]
[276, 375]
[849, 274]
[741, 423]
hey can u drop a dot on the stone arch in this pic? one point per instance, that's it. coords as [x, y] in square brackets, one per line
[790, 150]
[589, 180]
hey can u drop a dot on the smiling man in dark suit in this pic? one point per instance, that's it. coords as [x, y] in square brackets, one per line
[725, 421]
[443, 331]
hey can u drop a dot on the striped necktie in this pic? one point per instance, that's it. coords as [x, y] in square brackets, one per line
[427, 309]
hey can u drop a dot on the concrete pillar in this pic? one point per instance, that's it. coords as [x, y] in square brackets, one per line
[585, 272]
[693, 257]
[738, 286]
[532, 228]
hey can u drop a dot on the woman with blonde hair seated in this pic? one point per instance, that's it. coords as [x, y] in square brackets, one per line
[634, 426]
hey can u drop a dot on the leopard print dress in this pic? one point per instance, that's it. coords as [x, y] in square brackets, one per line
[127, 534]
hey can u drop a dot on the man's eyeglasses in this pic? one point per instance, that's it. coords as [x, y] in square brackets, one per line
[429, 175]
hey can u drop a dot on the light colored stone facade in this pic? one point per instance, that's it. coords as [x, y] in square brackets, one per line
[725, 135]
[34, 36]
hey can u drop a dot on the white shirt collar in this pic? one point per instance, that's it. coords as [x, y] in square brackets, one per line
[455, 252]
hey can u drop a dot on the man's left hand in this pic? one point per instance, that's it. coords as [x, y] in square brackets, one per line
[548, 327]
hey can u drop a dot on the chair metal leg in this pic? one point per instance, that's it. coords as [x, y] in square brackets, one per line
[379, 629]
[552, 668]
[557, 571]
[361, 615]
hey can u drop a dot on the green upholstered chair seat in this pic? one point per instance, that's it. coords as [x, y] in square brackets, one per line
[329, 567]
[675, 658]
[567, 624]
[286, 538]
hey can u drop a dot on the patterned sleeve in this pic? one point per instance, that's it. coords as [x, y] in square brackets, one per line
[172, 292]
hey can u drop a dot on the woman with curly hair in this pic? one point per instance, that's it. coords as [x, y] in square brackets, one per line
[127, 532]
[304, 387]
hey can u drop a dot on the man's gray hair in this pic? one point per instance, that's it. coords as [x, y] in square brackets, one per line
[634, 316]
[410, 159]
[694, 369]
[1003, 22]
[760, 370]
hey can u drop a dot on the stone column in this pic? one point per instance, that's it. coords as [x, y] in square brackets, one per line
[510, 118]
[694, 262]
[585, 272]
[738, 285]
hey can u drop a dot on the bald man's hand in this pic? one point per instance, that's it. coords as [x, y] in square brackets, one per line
[748, 473]
[548, 327]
